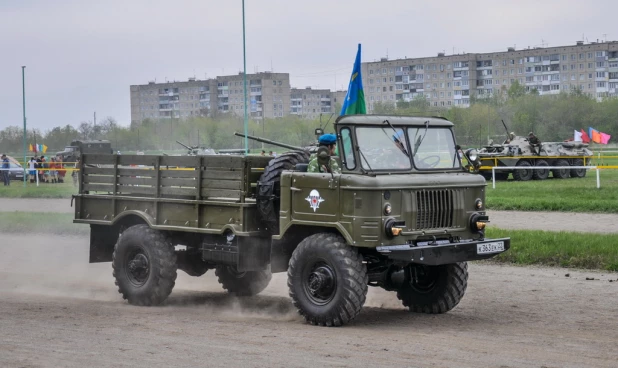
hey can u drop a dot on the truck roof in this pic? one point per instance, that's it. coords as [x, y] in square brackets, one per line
[368, 119]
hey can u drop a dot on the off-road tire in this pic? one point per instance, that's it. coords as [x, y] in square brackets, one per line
[522, 175]
[135, 244]
[450, 283]
[561, 173]
[246, 283]
[578, 173]
[540, 174]
[344, 302]
[268, 209]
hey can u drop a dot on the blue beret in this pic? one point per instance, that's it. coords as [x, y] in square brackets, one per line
[327, 139]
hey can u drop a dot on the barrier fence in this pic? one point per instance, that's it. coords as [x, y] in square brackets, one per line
[598, 170]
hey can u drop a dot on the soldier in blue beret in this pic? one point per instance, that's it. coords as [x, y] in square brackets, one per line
[329, 141]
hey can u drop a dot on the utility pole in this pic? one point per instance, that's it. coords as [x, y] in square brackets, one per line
[245, 78]
[23, 86]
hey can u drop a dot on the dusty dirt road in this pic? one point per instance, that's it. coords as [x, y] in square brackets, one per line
[56, 310]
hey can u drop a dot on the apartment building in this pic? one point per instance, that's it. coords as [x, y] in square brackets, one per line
[310, 103]
[268, 95]
[451, 80]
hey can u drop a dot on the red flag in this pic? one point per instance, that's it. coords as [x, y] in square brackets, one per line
[585, 137]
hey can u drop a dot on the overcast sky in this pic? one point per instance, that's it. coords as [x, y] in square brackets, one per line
[81, 56]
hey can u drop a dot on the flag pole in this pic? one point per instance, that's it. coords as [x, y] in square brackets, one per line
[244, 57]
[23, 86]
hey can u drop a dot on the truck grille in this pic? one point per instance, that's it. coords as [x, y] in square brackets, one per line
[434, 209]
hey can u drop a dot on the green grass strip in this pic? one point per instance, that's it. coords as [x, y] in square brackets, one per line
[564, 249]
[564, 195]
[44, 190]
[41, 222]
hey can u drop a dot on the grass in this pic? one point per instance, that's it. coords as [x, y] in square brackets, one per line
[58, 190]
[566, 195]
[41, 222]
[563, 249]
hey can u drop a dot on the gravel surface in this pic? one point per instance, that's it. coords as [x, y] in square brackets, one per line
[56, 310]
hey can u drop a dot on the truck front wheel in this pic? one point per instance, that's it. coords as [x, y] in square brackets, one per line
[243, 283]
[144, 265]
[434, 289]
[327, 280]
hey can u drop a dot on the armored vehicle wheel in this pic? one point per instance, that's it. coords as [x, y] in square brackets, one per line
[522, 174]
[268, 197]
[561, 173]
[540, 174]
[327, 280]
[434, 289]
[578, 173]
[246, 283]
[144, 265]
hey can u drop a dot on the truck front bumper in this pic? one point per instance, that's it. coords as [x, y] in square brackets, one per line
[446, 253]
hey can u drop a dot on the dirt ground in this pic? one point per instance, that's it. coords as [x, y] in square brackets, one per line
[57, 310]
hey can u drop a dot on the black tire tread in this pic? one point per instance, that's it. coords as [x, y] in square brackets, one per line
[537, 174]
[269, 210]
[517, 174]
[448, 298]
[562, 173]
[253, 282]
[355, 278]
[578, 173]
[166, 259]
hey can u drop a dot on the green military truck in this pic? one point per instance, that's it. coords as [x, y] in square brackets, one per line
[403, 215]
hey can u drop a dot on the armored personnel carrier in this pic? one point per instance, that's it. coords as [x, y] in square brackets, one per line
[403, 215]
[519, 151]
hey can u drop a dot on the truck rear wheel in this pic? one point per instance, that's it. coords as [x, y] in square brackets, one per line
[578, 173]
[522, 174]
[246, 283]
[434, 289]
[268, 197]
[540, 174]
[327, 280]
[564, 172]
[144, 265]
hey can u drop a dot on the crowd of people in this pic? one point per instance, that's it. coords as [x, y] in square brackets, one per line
[38, 167]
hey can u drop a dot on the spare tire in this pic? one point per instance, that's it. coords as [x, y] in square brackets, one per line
[269, 190]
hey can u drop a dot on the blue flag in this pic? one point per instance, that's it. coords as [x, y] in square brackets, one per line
[355, 98]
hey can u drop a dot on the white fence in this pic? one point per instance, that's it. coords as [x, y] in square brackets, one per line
[493, 170]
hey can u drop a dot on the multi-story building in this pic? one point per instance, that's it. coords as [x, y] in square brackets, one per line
[452, 80]
[268, 95]
[310, 103]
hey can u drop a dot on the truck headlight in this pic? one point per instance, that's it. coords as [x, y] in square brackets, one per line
[478, 204]
[387, 209]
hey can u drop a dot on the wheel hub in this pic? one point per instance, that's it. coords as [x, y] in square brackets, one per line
[138, 268]
[321, 283]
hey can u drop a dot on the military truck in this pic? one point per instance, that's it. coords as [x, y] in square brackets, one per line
[403, 215]
[73, 151]
[518, 151]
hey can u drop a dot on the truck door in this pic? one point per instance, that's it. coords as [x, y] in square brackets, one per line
[315, 197]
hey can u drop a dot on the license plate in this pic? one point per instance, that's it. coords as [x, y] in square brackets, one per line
[493, 247]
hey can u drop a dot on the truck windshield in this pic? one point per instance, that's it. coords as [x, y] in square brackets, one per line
[433, 148]
[384, 148]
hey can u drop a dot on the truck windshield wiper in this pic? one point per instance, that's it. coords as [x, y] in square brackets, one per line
[367, 162]
[420, 139]
[402, 148]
